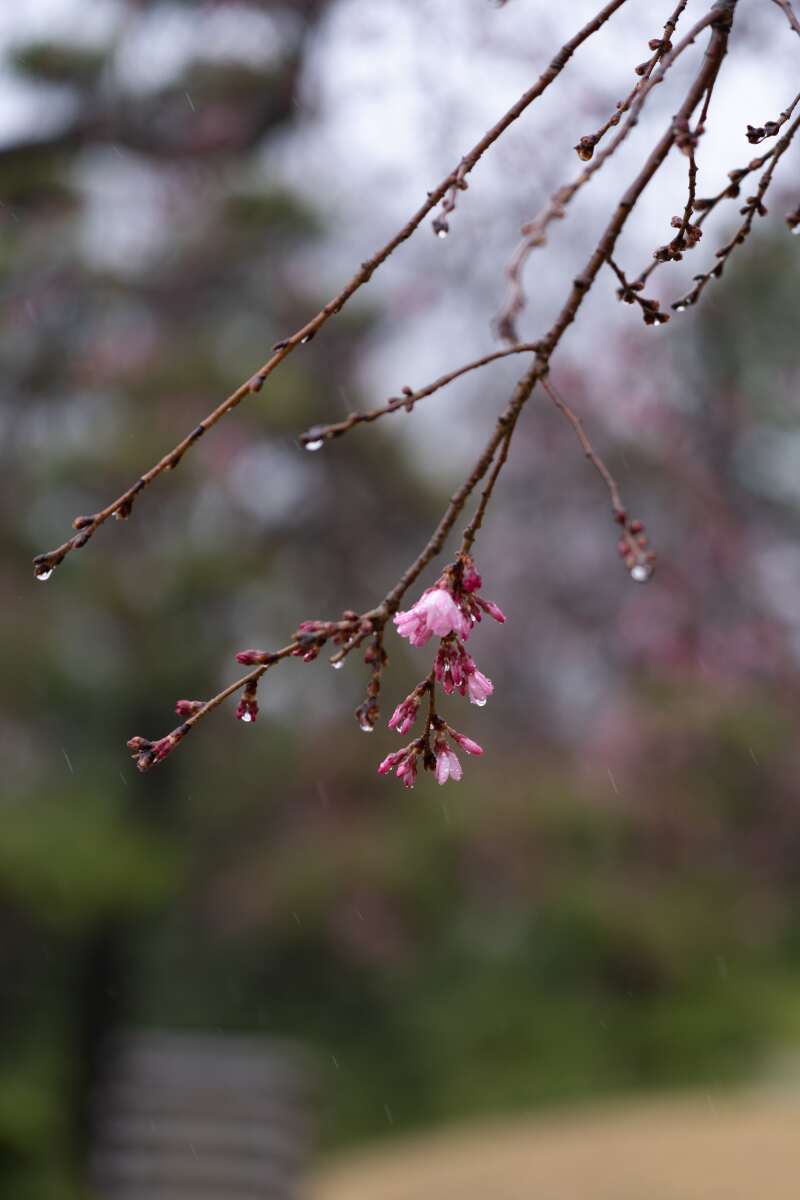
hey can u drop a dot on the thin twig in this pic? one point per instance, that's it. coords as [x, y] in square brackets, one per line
[587, 144]
[409, 398]
[752, 208]
[633, 544]
[790, 14]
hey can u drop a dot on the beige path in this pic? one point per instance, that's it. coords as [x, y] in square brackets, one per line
[704, 1148]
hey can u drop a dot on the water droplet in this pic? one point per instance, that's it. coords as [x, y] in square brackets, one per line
[441, 233]
[337, 666]
[247, 717]
[43, 573]
[315, 445]
[479, 703]
[307, 338]
[366, 727]
[680, 307]
[641, 572]
[796, 231]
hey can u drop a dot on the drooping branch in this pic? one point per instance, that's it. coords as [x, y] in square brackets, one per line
[87, 526]
[354, 629]
[633, 541]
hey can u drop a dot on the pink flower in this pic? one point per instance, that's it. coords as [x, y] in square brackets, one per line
[479, 688]
[436, 612]
[447, 764]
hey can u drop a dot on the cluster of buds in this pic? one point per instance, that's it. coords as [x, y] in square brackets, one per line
[449, 611]
[438, 757]
[311, 636]
[147, 754]
[455, 669]
[686, 239]
[628, 293]
[634, 548]
[757, 133]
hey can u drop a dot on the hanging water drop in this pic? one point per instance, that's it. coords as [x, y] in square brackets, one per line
[307, 338]
[479, 703]
[337, 666]
[43, 573]
[246, 717]
[316, 444]
[679, 308]
[441, 233]
[796, 231]
[365, 727]
[641, 572]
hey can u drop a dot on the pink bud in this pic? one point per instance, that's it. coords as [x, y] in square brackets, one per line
[253, 658]
[465, 743]
[187, 708]
[389, 762]
[492, 609]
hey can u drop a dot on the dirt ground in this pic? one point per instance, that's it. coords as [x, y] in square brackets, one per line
[744, 1147]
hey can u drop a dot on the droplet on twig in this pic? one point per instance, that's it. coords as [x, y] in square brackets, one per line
[316, 444]
[43, 573]
[641, 572]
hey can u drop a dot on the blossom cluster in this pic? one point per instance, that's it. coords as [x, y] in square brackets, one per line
[449, 610]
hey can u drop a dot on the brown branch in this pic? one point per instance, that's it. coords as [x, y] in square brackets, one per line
[373, 621]
[633, 542]
[587, 144]
[704, 206]
[758, 133]
[790, 14]
[313, 438]
[752, 208]
[471, 531]
[456, 180]
[535, 231]
[87, 526]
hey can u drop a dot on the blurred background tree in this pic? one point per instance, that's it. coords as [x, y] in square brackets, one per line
[623, 912]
